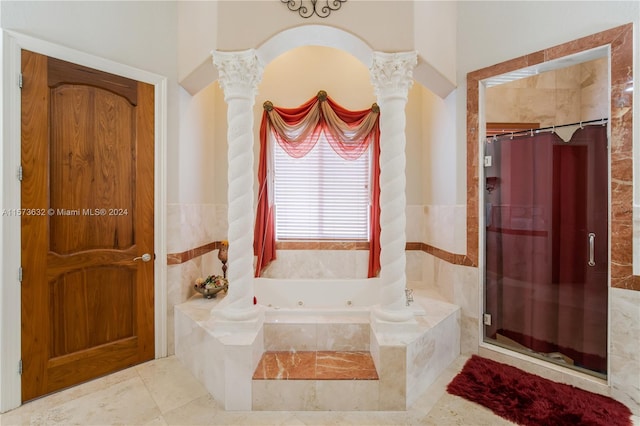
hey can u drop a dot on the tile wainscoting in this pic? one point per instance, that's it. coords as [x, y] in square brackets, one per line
[190, 230]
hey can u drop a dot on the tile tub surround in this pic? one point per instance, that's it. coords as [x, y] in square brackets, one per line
[407, 363]
[183, 269]
[344, 333]
[223, 362]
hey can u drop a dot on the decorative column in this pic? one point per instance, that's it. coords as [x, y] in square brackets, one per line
[392, 76]
[239, 75]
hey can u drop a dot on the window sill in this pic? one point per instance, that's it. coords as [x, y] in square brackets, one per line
[322, 245]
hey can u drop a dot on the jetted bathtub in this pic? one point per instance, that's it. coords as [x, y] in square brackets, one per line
[321, 296]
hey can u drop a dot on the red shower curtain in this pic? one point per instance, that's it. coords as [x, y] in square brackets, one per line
[550, 195]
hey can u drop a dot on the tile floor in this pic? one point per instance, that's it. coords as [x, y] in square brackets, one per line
[163, 392]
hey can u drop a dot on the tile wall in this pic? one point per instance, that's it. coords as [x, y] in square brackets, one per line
[191, 226]
[568, 95]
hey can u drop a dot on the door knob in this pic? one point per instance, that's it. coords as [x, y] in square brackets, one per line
[145, 257]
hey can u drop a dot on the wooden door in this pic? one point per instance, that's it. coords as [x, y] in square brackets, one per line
[87, 212]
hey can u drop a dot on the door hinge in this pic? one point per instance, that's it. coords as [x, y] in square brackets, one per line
[20, 80]
[486, 319]
[20, 274]
[487, 161]
[20, 367]
[20, 173]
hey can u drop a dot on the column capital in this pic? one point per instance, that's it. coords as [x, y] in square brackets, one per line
[239, 73]
[392, 73]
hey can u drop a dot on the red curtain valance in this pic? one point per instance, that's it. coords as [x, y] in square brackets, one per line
[297, 131]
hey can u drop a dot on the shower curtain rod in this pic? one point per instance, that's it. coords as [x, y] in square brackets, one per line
[532, 131]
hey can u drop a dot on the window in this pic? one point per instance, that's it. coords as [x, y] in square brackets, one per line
[321, 196]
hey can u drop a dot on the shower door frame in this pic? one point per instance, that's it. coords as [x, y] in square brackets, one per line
[536, 302]
[484, 342]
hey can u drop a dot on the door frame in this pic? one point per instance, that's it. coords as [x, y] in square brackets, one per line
[601, 49]
[10, 330]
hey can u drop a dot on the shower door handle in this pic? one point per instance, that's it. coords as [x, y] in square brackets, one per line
[592, 243]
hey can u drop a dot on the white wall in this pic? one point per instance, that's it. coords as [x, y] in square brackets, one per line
[139, 34]
[435, 34]
[439, 158]
[196, 162]
[386, 26]
[246, 24]
[198, 34]
[5, 388]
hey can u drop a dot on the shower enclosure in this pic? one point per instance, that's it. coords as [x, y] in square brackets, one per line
[546, 246]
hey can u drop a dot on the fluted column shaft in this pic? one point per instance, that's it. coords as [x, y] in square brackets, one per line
[239, 76]
[392, 76]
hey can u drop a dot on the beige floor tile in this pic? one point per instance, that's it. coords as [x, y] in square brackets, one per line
[158, 421]
[320, 418]
[380, 418]
[206, 411]
[15, 417]
[126, 402]
[163, 392]
[453, 410]
[171, 385]
[425, 402]
[257, 418]
[80, 390]
[22, 414]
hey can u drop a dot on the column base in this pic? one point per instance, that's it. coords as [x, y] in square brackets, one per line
[392, 315]
[228, 320]
[393, 321]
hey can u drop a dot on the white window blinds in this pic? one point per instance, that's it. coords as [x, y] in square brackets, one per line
[321, 196]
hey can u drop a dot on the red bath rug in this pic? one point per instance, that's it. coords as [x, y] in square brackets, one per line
[531, 400]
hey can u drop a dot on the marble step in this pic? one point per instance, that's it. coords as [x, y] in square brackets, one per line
[310, 380]
[316, 365]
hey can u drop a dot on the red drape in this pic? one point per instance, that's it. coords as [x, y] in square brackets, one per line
[264, 239]
[297, 130]
[374, 231]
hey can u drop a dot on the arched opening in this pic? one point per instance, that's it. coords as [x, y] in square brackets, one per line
[314, 35]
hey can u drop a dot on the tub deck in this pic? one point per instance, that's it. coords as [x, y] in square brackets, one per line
[406, 362]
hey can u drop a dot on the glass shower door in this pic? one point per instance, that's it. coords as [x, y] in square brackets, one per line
[546, 247]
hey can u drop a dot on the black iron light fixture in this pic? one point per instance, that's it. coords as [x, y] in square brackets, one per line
[307, 9]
